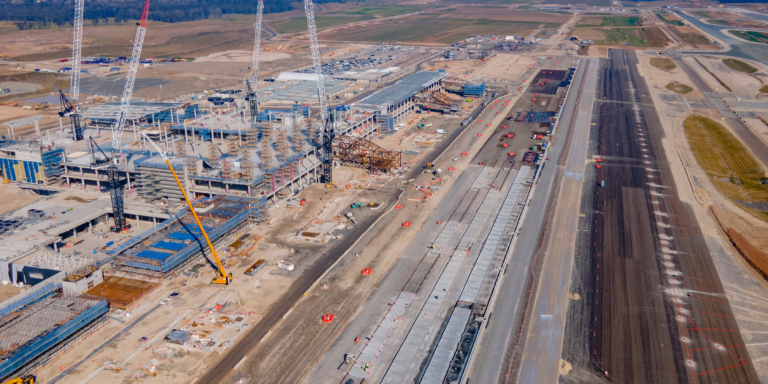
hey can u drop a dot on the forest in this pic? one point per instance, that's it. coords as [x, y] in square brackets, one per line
[37, 14]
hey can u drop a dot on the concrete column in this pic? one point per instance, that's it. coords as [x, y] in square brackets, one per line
[185, 133]
[138, 222]
[154, 221]
[61, 126]
[128, 175]
[90, 226]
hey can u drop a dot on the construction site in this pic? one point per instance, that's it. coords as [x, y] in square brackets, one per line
[143, 198]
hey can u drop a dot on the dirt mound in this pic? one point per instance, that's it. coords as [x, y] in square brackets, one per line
[747, 236]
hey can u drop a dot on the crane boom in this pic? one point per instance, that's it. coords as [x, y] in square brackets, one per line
[315, 49]
[133, 67]
[253, 102]
[222, 276]
[256, 44]
[77, 41]
[69, 106]
[115, 185]
[328, 129]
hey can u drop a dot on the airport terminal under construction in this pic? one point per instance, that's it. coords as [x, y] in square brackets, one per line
[231, 167]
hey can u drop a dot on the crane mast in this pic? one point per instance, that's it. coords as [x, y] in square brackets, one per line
[328, 129]
[113, 176]
[253, 102]
[133, 67]
[69, 106]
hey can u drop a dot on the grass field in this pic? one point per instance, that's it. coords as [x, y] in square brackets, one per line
[669, 20]
[663, 63]
[621, 21]
[379, 12]
[731, 168]
[753, 36]
[430, 30]
[738, 65]
[679, 88]
[635, 37]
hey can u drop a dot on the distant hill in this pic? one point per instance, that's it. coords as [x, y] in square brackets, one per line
[28, 14]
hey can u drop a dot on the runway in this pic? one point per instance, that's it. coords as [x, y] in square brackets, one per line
[646, 305]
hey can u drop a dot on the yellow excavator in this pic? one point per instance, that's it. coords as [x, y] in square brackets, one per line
[29, 379]
[222, 276]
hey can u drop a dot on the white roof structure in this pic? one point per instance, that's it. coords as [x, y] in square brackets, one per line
[296, 76]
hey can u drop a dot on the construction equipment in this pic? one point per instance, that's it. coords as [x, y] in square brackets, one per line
[69, 106]
[29, 379]
[113, 176]
[222, 277]
[251, 83]
[331, 184]
[328, 130]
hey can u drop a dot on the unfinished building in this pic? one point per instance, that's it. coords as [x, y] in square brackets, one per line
[159, 251]
[34, 326]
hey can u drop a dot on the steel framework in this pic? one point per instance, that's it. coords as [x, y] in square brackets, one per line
[365, 154]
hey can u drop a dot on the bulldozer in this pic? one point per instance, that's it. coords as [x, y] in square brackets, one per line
[29, 379]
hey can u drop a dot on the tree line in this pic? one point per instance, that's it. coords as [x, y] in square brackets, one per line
[31, 14]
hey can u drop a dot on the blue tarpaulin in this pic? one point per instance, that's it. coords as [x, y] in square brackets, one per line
[183, 236]
[169, 245]
[154, 255]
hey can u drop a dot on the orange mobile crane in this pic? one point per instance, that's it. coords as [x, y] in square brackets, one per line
[222, 276]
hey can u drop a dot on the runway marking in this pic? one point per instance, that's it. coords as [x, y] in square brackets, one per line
[719, 302]
[719, 347]
[710, 313]
[745, 292]
[746, 296]
[720, 369]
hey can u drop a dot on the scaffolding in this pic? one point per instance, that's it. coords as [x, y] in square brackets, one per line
[213, 154]
[364, 153]
[282, 146]
[157, 181]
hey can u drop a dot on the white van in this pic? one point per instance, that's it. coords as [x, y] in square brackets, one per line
[440, 131]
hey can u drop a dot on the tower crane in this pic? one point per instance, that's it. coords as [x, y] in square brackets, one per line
[222, 277]
[113, 176]
[69, 106]
[328, 129]
[251, 83]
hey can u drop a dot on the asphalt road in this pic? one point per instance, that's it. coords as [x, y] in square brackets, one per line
[650, 306]
[748, 137]
[490, 357]
[739, 48]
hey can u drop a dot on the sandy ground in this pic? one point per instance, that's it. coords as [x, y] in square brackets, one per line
[242, 57]
[695, 188]
[15, 198]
